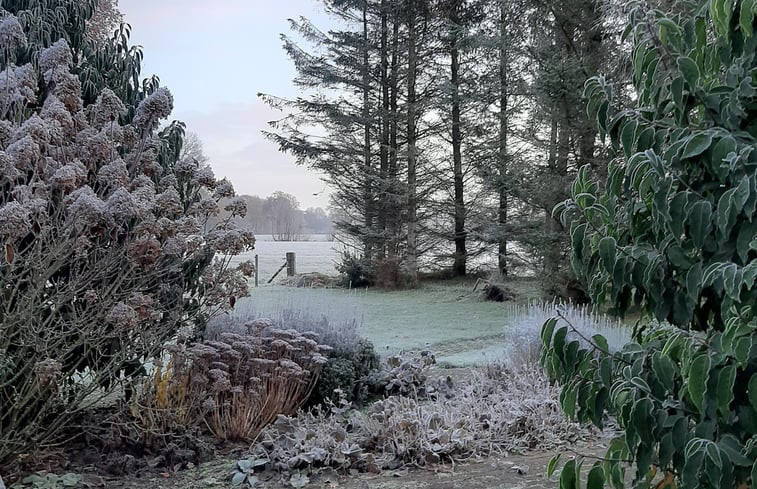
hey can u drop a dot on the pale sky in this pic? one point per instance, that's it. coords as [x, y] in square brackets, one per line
[215, 57]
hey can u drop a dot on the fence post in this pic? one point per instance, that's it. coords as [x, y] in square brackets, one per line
[256, 270]
[291, 265]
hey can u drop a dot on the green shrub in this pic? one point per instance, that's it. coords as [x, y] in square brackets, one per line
[355, 270]
[348, 370]
[673, 231]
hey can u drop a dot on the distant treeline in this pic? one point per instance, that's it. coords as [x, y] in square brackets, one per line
[280, 216]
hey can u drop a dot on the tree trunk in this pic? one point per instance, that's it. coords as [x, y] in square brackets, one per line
[461, 254]
[383, 206]
[368, 183]
[502, 153]
[412, 237]
[458, 268]
[393, 189]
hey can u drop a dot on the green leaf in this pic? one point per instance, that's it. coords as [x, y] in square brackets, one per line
[746, 17]
[664, 369]
[690, 71]
[568, 479]
[726, 380]
[601, 342]
[753, 391]
[238, 478]
[731, 204]
[546, 331]
[676, 90]
[552, 465]
[696, 145]
[700, 222]
[699, 373]
[627, 137]
[607, 252]
[596, 477]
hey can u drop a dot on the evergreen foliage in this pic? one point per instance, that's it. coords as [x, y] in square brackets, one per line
[673, 231]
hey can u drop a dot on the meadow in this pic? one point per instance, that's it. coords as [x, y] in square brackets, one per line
[445, 317]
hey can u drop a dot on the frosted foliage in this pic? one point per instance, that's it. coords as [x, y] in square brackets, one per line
[18, 87]
[108, 233]
[69, 176]
[11, 34]
[85, 206]
[113, 174]
[168, 202]
[120, 205]
[37, 129]
[56, 57]
[152, 109]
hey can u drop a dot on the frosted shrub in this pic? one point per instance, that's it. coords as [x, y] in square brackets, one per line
[495, 412]
[235, 385]
[353, 363]
[98, 269]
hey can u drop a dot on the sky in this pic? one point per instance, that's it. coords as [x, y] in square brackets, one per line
[215, 57]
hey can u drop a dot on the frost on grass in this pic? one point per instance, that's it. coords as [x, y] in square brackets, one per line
[522, 335]
[498, 411]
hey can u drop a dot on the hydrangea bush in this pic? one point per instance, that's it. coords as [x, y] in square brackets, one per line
[106, 248]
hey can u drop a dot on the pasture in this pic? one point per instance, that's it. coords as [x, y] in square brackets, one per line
[447, 318]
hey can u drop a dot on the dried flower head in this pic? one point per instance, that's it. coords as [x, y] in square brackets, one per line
[237, 207]
[156, 106]
[12, 34]
[224, 189]
[47, 371]
[56, 57]
[122, 316]
[14, 221]
[108, 108]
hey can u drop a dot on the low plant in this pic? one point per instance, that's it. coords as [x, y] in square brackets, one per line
[351, 362]
[354, 270]
[45, 480]
[235, 385]
[496, 411]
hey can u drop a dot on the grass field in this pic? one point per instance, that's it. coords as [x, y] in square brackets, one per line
[447, 318]
[444, 317]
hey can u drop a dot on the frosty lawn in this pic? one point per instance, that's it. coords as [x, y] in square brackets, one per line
[445, 318]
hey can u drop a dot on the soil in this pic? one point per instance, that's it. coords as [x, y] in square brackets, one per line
[514, 471]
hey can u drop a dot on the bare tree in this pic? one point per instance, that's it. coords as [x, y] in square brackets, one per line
[283, 213]
[192, 148]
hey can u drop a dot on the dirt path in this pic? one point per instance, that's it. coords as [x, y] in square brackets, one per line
[515, 471]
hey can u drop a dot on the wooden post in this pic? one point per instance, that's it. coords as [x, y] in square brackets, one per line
[291, 266]
[256, 270]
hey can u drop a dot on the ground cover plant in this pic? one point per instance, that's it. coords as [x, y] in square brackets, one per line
[673, 231]
[494, 411]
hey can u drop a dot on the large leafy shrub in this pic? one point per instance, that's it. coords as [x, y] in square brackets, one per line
[675, 232]
[105, 247]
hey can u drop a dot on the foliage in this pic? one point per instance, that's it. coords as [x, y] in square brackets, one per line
[495, 412]
[105, 251]
[673, 232]
[236, 384]
[43, 480]
[355, 270]
[349, 371]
